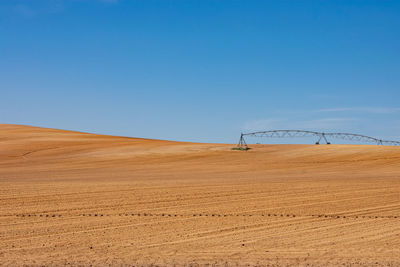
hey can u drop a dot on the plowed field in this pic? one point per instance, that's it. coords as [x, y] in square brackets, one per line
[85, 199]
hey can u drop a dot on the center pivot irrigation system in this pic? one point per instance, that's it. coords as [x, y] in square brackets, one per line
[319, 135]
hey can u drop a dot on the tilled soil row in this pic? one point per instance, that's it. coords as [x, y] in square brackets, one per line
[323, 216]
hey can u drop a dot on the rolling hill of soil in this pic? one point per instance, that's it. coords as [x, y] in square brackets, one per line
[86, 199]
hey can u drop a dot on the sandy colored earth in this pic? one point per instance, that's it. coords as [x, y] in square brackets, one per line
[84, 199]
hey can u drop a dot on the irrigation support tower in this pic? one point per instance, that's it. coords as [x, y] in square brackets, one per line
[321, 136]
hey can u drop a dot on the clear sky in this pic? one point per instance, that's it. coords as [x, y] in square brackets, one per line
[201, 70]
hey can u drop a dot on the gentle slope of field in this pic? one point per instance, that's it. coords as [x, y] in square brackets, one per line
[76, 198]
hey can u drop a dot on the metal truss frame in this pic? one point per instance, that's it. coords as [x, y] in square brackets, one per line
[320, 135]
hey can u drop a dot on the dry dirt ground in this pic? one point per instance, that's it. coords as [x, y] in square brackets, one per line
[85, 199]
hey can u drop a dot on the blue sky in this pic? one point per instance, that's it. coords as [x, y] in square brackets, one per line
[201, 70]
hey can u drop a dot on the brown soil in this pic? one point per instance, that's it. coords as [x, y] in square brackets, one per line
[85, 199]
